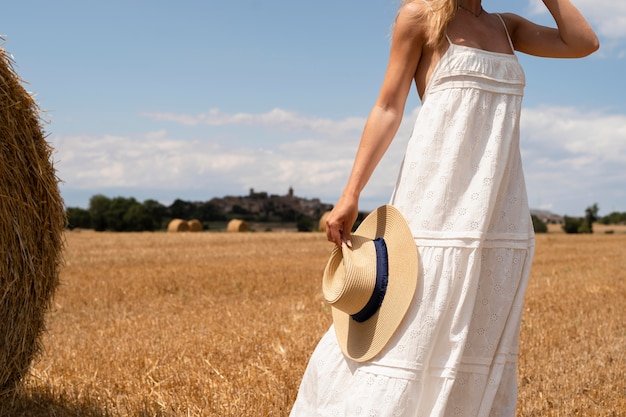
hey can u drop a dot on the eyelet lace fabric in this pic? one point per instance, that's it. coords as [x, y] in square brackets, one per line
[461, 188]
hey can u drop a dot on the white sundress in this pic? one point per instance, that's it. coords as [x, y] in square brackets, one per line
[461, 189]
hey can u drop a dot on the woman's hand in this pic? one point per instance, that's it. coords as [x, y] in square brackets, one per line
[341, 219]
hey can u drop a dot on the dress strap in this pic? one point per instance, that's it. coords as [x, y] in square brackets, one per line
[507, 32]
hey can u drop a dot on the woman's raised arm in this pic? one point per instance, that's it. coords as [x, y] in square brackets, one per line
[572, 38]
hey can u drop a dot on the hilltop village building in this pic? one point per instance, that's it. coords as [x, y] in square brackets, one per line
[271, 206]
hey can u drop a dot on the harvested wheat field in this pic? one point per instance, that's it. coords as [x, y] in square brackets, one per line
[222, 324]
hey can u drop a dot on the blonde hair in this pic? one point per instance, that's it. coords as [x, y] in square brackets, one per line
[439, 14]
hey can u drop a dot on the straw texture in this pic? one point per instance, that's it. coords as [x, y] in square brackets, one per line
[178, 225]
[237, 225]
[195, 225]
[32, 218]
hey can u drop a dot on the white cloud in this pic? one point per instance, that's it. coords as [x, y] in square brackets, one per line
[275, 118]
[151, 160]
[160, 161]
[572, 159]
[595, 135]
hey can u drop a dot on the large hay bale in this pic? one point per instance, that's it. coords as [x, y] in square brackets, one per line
[32, 218]
[178, 225]
[322, 223]
[237, 225]
[195, 225]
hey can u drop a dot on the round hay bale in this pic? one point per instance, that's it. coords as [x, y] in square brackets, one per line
[178, 225]
[237, 225]
[322, 224]
[195, 225]
[32, 218]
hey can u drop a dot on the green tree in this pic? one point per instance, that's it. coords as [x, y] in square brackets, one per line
[181, 209]
[571, 224]
[304, 224]
[137, 219]
[538, 225]
[98, 207]
[614, 218]
[115, 215]
[78, 218]
[207, 211]
[591, 215]
[156, 211]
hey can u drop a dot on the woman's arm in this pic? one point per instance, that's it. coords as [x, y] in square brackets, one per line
[573, 37]
[384, 119]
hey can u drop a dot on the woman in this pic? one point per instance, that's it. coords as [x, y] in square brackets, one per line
[461, 190]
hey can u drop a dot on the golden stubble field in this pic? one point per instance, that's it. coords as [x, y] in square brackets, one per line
[216, 324]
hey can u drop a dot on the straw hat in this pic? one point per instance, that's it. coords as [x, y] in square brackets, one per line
[370, 286]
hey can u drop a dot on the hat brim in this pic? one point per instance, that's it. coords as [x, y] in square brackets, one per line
[361, 341]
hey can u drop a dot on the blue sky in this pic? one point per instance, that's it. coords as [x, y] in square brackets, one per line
[201, 99]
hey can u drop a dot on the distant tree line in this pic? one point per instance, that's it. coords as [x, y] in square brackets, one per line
[581, 224]
[614, 218]
[585, 224]
[122, 214]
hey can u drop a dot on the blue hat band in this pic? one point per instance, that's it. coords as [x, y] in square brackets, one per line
[380, 288]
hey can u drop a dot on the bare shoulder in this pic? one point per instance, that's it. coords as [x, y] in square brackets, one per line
[412, 18]
[414, 9]
[513, 21]
[521, 31]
